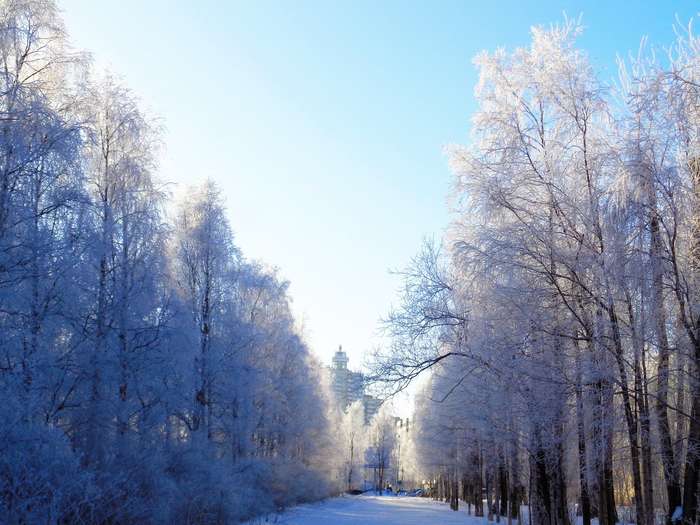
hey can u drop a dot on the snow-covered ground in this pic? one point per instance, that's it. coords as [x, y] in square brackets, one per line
[373, 510]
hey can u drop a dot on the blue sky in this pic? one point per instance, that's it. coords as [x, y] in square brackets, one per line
[324, 122]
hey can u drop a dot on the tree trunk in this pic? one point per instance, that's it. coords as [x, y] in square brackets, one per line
[352, 460]
[489, 502]
[668, 458]
[582, 459]
[478, 499]
[629, 416]
[454, 492]
[603, 433]
[692, 463]
[645, 430]
[516, 490]
[540, 501]
[502, 487]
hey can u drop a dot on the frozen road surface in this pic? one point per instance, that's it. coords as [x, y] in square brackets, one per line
[373, 510]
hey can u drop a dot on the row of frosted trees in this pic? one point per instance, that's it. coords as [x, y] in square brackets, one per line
[367, 452]
[562, 317]
[149, 373]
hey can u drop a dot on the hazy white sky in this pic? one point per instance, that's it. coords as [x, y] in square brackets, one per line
[324, 122]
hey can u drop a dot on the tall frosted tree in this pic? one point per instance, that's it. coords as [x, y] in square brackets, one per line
[148, 371]
[127, 254]
[204, 262]
[568, 283]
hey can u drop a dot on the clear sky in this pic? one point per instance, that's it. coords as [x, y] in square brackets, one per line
[324, 122]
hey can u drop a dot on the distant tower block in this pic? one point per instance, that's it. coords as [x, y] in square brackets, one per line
[371, 405]
[349, 386]
[340, 359]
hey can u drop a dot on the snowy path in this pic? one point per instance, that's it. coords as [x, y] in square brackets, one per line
[373, 510]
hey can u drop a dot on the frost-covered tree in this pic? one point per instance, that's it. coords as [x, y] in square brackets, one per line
[149, 372]
[353, 435]
[381, 441]
[566, 288]
[127, 249]
[204, 262]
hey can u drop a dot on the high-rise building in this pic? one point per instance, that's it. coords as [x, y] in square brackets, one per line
[349, 386]
[371, 405]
